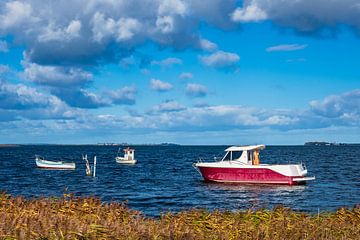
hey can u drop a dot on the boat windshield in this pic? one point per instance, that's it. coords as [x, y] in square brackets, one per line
[232, 155]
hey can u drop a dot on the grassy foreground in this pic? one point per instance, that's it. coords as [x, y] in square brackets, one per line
[72, 217]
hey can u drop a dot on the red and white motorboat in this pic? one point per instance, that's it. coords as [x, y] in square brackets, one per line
[241, 164]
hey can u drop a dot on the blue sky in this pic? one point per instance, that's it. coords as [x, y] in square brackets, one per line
[188, 72]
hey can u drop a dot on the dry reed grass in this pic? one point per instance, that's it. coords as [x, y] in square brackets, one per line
[73, 217]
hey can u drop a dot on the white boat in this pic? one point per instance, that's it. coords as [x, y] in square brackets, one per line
[241, 164]
[42, 163]
[128, 157]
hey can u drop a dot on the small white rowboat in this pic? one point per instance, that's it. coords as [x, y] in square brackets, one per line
[42, 163]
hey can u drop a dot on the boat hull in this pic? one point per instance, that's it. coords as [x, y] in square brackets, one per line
[125, 161]
[54, 165]
[249, 175]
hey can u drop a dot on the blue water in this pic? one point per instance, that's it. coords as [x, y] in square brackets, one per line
[164, 179]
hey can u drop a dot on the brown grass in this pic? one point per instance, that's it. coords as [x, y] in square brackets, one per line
[73, 217]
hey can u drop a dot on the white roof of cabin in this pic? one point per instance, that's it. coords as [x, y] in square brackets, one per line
[245, 148]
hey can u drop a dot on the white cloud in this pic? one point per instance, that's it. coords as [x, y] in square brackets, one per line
[186, 75]
[80, 98]
[93, 32]
[123, 96]
[3, 46]
[160, 86]
[122, 29]
[344, 106]
[196, 90]
[53, 33]
[20, 96]
[220, 59]
[173, 7]
[168, 106]
[286, 47]
[28, 103]
[321, 17]
[56, 76]
[168, 62]
[249, 13]
[14, 14]
[127, 27]
[207, 45]
[74, 28]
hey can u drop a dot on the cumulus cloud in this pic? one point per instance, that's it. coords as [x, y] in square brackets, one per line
[286, 47]
[196, 90]
[173, 7]
[15, 13]
[20, 96]
[220, 59]
[170, 116]
[123, 96]
[168, 106]
[207, 45]
[56, 76]
[160, 86]
[122, 29]
[345, 106]
[20, 101]
[93, 32]
[3, 46]
[316, 17]
[249, 13]
[53, 33]
[186, 75]
[80, 98]
[168, 62]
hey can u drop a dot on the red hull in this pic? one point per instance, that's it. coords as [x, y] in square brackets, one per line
[246, 175]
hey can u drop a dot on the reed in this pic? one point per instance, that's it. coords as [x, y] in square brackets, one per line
[71, 217]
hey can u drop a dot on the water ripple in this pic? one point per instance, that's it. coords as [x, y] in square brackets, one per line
[164, 179]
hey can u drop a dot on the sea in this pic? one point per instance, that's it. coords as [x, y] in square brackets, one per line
[164, 179]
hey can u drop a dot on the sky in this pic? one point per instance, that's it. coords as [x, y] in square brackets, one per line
[188, 72]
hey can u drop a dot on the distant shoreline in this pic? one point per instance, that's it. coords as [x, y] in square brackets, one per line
[330, 144]
[171, 144]
[9, 145]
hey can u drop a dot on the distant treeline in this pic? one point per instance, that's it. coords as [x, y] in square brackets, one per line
[8, 145]
[330, 144]
[72, 217]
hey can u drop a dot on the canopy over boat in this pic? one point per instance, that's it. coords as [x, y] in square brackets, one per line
[245, 148]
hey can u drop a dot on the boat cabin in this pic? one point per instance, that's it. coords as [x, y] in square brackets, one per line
[245, 154]
[129, 154]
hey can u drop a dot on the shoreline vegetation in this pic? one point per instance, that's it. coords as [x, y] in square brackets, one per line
[71, 217]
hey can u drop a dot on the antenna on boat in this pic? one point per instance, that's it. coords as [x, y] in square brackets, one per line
[94, 166]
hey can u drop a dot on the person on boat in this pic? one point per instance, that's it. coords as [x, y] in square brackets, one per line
[256, 160]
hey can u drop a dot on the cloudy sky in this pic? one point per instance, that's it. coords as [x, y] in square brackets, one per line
[182, 71]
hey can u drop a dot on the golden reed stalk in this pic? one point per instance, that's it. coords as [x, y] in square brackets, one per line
[71, 217]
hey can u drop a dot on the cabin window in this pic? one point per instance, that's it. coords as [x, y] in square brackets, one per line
[236, 155]
[226, 157]
[232, 156]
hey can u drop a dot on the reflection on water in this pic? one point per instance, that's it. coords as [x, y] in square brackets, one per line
[164, 180]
